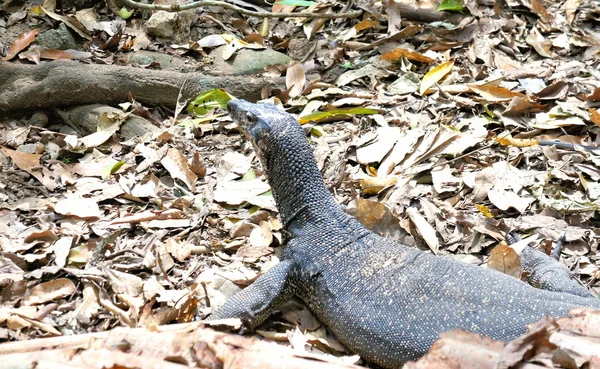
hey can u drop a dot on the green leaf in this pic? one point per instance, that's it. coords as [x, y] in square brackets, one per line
[249, 175]
[455, 5]
[196, 122]
[335, 114]
[347, 65]
[78, 254]
[295, 2]
[124, 13]
[111, 169]
[317, 131]
[208, 101]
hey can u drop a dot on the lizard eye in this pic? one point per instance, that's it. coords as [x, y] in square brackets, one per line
[251, 117]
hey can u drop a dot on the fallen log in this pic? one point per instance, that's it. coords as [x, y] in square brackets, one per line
[66, 83]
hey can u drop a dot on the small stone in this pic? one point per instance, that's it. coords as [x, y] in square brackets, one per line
[59, 38]
[172, 26]
[33, 148]
[246, 61]
[144, 57]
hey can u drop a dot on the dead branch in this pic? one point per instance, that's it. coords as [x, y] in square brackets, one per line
[65, 83]
[197, 4]
[176, 346]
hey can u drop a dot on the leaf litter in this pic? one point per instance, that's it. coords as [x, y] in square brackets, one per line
[432, 132]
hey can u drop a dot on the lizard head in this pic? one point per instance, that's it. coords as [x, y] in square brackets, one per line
[262, 124]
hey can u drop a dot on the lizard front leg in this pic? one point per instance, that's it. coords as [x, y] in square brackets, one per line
[256, 302]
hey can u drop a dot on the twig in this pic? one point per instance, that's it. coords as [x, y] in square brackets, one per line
[196, 4]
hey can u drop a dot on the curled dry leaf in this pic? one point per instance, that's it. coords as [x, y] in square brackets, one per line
[261, 236]
[295, 79]
[374, 185]
[177, 165]
[20, 43]
[376, 217]
[399, 53]
[61, 249]
[89, 305]
[124, 283]
[425, 229]
[50, 291]
[198, 166]
[505, 260]
[108, 124]
[179, 250]
[494, 93]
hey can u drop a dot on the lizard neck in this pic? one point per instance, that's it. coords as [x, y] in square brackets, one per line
[304, 202]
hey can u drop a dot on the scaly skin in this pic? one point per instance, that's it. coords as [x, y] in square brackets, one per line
[386, 301]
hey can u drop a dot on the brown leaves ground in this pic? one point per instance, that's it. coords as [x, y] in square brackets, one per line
[161, 228]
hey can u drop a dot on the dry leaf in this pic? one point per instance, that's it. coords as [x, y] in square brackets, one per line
[374, 185]
[55, 54]
[89, 306]
[595, 116]
[411, 55]
[50, 291]
[20, 43]
[108, 124]
[539, 43]
[494, 93]
[295, 79]
[177, 166]
[377, 217]
[61, 249]
[428, 233]
[261, 236]
[78, 206]
[505, 260]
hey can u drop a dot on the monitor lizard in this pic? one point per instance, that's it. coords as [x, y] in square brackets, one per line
[386, 301]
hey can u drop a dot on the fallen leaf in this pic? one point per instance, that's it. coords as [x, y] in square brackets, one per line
[50, 291]
[20, 43]
[311, 28]
[55, 54]
[494, 93]
[180, 250]
[89, 306]
[177, 166]
[108, 124]
[428, 233]
[539, 43]
[78, 206]
[376, 217]
[335, 114]
[61, 249]
[149, 215]
[261, 236]
[435, 75]
[540, 10]
[295, 79]
[399, 53]
[377, 149]
[374, 185]
[595, 116]
[366, 24]
[505, 260]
